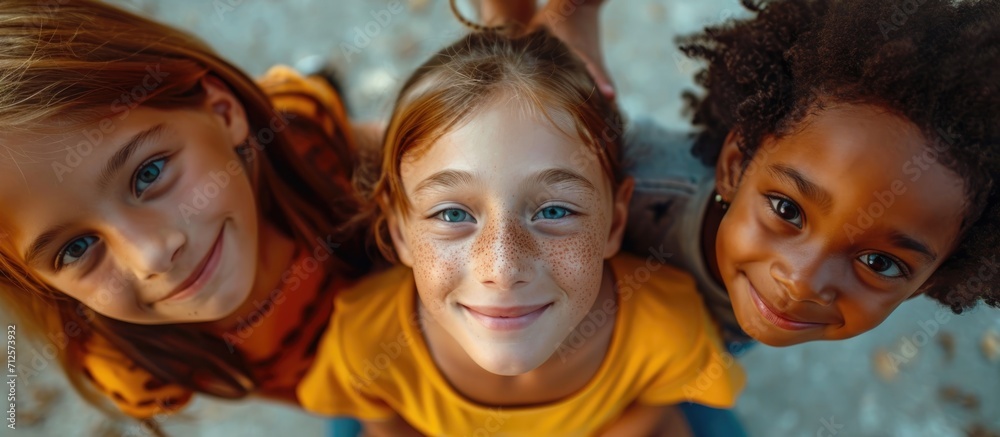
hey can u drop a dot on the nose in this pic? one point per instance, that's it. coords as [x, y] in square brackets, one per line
[151, 247]
[809, 278]
[504, 254]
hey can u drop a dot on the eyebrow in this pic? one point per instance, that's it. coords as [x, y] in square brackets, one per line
[443, 180]
[453, 178]
[44, 239]
[123, 154]
[806, 187]
[904, 241]
[558, 176]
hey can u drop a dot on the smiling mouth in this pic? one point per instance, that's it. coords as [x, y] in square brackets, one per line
[776, 317]
[201, 274]
[506, 318]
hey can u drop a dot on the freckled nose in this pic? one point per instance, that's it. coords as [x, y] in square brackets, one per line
[504, 253]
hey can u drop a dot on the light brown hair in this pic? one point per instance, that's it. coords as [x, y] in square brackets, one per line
[535, 70]
[63, 64]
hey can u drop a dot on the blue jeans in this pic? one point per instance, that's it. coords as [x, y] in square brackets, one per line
[343, 427]
[714, 422]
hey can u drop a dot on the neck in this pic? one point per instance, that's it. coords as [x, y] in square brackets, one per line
[568, 370]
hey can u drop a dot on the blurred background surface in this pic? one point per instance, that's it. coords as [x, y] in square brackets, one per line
[921, 373]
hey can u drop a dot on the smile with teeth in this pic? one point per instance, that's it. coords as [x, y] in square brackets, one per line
[506, 318]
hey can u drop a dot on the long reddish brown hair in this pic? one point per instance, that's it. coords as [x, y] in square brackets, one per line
[63, 63]
[535, 70]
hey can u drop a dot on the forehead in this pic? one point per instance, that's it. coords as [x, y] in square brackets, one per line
[506, 142]
[865, 156]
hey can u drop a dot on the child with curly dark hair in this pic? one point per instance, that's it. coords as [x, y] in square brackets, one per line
[847, 160]
[849, 153]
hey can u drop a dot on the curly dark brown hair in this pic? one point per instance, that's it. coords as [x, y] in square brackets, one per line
[934, 62]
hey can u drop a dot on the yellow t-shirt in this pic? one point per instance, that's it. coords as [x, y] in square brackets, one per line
[373, 362]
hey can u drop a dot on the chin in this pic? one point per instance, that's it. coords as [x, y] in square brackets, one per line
[224, 303]
[506, 361]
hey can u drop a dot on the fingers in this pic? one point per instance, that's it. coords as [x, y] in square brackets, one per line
[601, 78]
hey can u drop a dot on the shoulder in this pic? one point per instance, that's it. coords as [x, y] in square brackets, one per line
[653, 152]
[309, 96]
[131, 388]
[657, 298]
[316, 118]
[371, 309]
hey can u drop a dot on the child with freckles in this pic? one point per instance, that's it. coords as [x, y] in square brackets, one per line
[512, 312]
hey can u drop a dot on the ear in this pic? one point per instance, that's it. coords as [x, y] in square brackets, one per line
[729, 167]
[619, 217]
[227, 107]
[398, 240]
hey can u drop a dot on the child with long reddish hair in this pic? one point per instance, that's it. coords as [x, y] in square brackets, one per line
[181, 227]
[512, 313]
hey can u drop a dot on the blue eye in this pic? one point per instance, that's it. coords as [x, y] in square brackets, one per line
[73, 251]
[147, 174]
[786, 210]
[454, 215]
[552, 213]
[882, 265]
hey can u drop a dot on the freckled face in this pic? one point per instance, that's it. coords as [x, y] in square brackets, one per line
[833, 226]
[507, 234]
[141, 245]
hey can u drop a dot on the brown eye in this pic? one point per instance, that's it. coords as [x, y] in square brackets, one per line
[882, 265]
[786, 210]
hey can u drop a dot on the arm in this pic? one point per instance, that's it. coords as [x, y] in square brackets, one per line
[575, 22]
[497, 12]
[646, 420]
[395, 427]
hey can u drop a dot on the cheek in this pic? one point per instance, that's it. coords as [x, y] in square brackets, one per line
[109, 294]
[864, 312]
[740, 236]
[437, 265]
[576, 262]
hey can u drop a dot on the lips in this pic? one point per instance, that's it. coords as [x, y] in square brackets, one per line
[506, 318]
[200, 275]
[776, 317]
